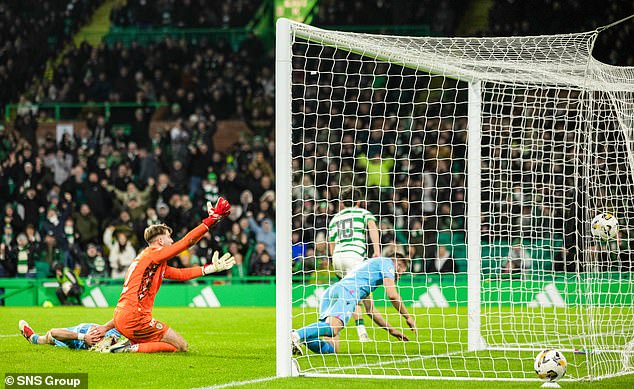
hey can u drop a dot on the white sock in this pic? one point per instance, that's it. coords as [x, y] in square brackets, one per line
[361, 330]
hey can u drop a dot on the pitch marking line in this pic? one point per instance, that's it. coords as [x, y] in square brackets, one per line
[240, 383]
[394, 361]
[8, 335]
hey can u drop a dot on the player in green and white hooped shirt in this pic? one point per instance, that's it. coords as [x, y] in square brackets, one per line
[348, 244]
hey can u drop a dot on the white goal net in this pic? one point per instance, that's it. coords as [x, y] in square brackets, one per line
[483, 160]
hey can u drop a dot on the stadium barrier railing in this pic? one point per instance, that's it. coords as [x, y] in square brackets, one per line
[71, 111]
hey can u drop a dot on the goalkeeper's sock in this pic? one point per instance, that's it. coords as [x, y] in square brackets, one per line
[156, 347]
[320, 346]
[315, 330]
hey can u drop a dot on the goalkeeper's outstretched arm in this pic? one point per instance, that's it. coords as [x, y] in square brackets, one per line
[217, 264]
[217, 213]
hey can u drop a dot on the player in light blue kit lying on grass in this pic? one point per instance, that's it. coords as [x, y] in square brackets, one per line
[78, 337]
[340, 299]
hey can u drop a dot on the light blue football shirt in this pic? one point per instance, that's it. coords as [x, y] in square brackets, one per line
[362, 280]
[82, 328]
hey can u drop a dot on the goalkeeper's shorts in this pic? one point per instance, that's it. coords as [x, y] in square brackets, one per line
[139, 328]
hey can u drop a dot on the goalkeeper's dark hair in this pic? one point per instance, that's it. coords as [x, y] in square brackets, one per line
[350, 196]
[155, 230]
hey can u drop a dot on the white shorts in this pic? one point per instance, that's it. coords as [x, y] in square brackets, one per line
[344, 263]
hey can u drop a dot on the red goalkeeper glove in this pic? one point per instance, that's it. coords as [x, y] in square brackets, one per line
[217, 213]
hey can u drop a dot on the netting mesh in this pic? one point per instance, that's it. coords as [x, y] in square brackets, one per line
[388, 116]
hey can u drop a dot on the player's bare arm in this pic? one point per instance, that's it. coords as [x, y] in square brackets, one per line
[100, 331]
[397, 302]
[63, 335]
[376, 316]
[218, 264]
[374, 238]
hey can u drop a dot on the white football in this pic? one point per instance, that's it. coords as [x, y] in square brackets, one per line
[604, 226]
[550, 365]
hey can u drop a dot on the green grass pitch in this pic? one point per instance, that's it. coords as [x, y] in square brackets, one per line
[227, 345]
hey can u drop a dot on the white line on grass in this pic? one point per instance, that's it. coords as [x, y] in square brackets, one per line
[8, 335]
[397, 361]
[240, 383]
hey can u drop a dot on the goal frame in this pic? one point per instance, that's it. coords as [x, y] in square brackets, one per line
[283, 159]
[285, 365]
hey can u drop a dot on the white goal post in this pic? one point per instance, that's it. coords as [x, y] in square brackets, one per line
[483, 160]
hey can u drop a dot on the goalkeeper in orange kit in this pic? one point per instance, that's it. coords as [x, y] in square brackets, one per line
[133, 314]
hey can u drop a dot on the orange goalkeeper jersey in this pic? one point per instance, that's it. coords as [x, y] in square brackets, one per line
[145, 275]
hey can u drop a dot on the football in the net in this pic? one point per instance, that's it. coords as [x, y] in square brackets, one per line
[550, 365]
[604, 226]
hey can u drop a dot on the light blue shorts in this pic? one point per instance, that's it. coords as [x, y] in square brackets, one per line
[338, 302]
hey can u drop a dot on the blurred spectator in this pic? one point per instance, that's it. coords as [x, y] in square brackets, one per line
[238, 270]
[148, 166]
[306, 264]
[237, 236]
[141, 198]
[70, 285]
[519, 259]
[74, 248]
[8, 236]
[262, 265]
[199, 160]
[53, 226]
[51, 253]
[31, 204]
[262, 164]
[298, 248]
[263, 233]
[12, 218]
[443, 263]
[24, 257]
[378, 170]
[86, 225]
[7, 261]
[121, 253]
[93, 264]
[97, 197]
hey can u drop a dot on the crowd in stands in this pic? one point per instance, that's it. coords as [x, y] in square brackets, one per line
[82, 201]
[84, 204]
[442, 17]
[184, 13]
[614, 46]
[32, 31]
[410, 163]
[186, 78]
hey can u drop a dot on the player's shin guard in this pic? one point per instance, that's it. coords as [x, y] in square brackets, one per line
[320, 346]
[315, 330]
